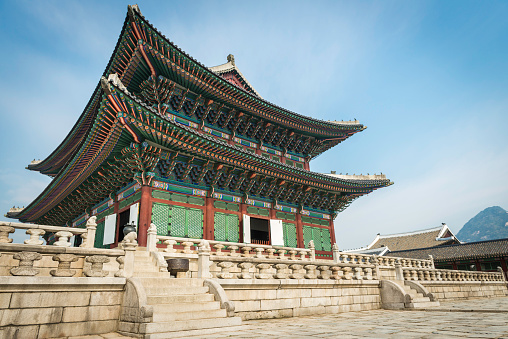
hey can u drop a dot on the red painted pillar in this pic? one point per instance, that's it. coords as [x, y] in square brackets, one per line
[478, 265]
[145, 214]
[208, 227]
[299, 230]
[454, 265]
[306, 166]
[332, 231]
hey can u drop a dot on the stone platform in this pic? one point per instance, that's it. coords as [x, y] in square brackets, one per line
[476, 318]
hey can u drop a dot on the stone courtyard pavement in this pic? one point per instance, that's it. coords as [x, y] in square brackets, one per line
[478, 318]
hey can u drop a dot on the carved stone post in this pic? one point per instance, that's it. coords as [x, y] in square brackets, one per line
[312, 247]
[225, 270]
[204, 260]
[95, 270]
[337, 273]
[151, 238]
[407, 274]
[414, 275]
[232, 251]
[431, 258]
[281, 254]
[367, 273]
[503, 276]
[296, 274]
[26, 263]
[245, 273]
[426, 275]
[91, 227]
[259, 252]
[345, 258]
[358, 273]
[121, 265]
[399, 275]
[64, 265]
[169, 246]
[264, 271]
[63, 238]
[336, 253]
[348, 273]
[35, 234]
[4, 234]
[311, 272]
[292, 254]
[218, 249]
[187, 247]
[281, 271]
[324, 272]
[433, 275]
[270, 252]
[245, 251]
[129, 244]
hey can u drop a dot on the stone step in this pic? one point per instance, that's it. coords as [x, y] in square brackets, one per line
[146, 268]
[151, 275]
[171, 290]
[186, 307]
[163, 327]
[420, 300]
[201, 333]
[167, 282]
[180, 316]
[143, 259]
[170, 299]
[142, 254]
[423, 304]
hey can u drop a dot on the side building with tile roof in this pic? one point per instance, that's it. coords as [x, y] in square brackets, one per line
[474, 256]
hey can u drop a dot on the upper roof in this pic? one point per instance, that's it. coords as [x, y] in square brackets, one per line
[231, 73]
[431, 237]
[472, 250]
[223, 85]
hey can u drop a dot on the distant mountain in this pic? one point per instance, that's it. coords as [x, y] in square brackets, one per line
[489, 224]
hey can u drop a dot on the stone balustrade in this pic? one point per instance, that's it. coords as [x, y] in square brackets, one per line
[232, 249]
[430, 274]
[265, 268]
[61, 259]
[62, 234]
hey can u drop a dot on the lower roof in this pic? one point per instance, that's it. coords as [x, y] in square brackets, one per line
[472, 250]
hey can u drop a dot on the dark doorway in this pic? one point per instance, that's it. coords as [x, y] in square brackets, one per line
[124, 220]
[259, 231]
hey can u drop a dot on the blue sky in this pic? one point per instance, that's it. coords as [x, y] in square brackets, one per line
[428, 78]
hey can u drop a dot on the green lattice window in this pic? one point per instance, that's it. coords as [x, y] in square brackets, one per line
[289, 230]
[226, 227]
[178, 221]
[321, 237]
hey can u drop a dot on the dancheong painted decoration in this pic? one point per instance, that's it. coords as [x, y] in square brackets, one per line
[194, 150]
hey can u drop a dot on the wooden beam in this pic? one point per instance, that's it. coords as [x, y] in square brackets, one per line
[195, 106]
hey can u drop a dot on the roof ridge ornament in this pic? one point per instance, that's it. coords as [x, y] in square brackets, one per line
[231, 59]
[131, 9]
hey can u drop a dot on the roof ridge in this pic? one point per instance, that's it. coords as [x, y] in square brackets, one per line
[396, 235]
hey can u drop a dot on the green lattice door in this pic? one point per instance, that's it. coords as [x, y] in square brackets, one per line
[321, 237]
[99, 236]
[289, 230]
[178, 221]
[226, 227]
[160, 217]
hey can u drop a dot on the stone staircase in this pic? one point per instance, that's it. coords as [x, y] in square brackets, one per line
[417, 299]
[400, 294]
[178, 304]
